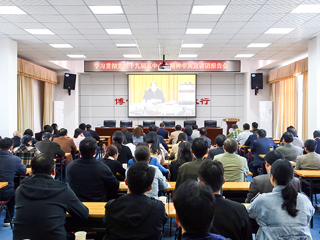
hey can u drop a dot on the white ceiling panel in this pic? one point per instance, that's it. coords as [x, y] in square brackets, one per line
[28, 2]
[167, 17]
[102, 2]
[276, 8]
[87, 25]
[142, 18]
[53, 26]
[39, 10]
[136, 9]
[73, 10]
[267, 17]
[66, 3]
[80, 18]
[243, 8]
[164, 9]
[204, 18]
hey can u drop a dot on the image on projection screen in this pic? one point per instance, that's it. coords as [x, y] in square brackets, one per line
[162, 95]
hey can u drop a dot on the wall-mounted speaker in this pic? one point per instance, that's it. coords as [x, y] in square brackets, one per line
[69, 81]
[256, 81]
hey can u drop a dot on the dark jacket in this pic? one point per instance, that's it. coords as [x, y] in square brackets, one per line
[190, 139]
[215, 151]
[318, 145]
[249, 142]
[188, 171]
[202, 236]
[231, 220]
[50, 148]
[41, 206]
[261, 146]
[91, 180]
[134, 216]
[207, 139]
[173, 167]
[94, 134]
[9, 166]
[86, 133]
[115, 166]
[16, 141]
[125, 155]
[163, 132]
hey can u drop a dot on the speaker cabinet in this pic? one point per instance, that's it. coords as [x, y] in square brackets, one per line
[69, 81]
[256, 81]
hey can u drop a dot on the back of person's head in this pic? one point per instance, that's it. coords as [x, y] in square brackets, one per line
[88, 126]
[45, 127]
[310, 145]
[153, 128]
[54, 126]
[152, 138]
[184, 153]
[188, 131]
[77, 132]
[235, 126]
[195, 206]
[254, 125]
[63, 132]
[118, 137]
[46, 135]
[42, 163]
[17, 134]
[128, 137]
[111, 151]
[138, 132]
[142, 154]
[290, 127]
[88, 147]
[82, 126]
[195, 127]
[203, 131]
[293, 131]
[48, 129]
[220, 140]
[288, 137]
[316, 134]
[212, 174]
[26, 139]
[143, 144]
[28, 132]
[246, 126]
[182, 137]
[178, 127]
[199, 147]
[6, 143]
[273, 156]
[161, 124]
[140, 177]
[230, 145]
[282, 172]
[262, 133]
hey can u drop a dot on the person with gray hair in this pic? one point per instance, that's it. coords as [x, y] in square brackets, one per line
[236, 167]
[48, 147]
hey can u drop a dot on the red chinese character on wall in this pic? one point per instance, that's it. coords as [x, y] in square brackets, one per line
[205, 101]
[197, 102]
[120, 101]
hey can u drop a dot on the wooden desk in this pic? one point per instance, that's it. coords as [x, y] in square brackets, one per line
[262, 155]
[243, 146]
[124, 188]
[28, 171]
[3, 184]
[236, 186]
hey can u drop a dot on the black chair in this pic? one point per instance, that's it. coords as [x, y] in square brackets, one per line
[148, 123]
[109, 123]
[170, 124]
[210, 123]
[126, 123]
[189, 123]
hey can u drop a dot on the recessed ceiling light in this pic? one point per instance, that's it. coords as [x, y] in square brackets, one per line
[131, 55]
[244, 55]
[126, 45]
[11, 10]
[198, 31]
[40, 31]
[258, 45]
[279, 30]
[307, 8]
[106, 9]
[208, 9]
[118, 31]
[76, 56]
[61, 45]
[192, 45]
[188, 55]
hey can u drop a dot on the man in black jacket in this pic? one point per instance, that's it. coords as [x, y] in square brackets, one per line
[219, 146]
[134, 215]
[42, 203]
[48, 147]
[231, 218]
[90, 179]
[92, 132]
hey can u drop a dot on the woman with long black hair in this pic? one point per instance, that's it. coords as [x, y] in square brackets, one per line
[284, 213]
[124, 151]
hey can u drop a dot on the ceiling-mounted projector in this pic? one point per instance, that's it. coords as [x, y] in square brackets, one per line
[163, 66]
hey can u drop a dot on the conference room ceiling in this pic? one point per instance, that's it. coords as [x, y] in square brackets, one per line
[158, 27]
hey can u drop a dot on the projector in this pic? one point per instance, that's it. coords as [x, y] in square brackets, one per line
[164, 68]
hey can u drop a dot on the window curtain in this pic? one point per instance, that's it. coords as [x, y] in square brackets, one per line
[305, 107]
[48, 104]
[25, 103]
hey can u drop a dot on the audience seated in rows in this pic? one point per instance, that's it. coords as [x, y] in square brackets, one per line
[142, 154]
[195, 206]
[154, 146]
[137, 135]
[174, 135]
[78, 137]
[296, 141]
[195, 132]
[254, 127]
[203, 133]
[42, 203]
[30, 133]
[184, 155]
[66, 143]
[231, 218]
[188, 130]
[261, 184]
[284, 213]
[90, 179]
[189, 170]
[135, 215]
[235, 131]
[219, 146]
[289, 151]
[110, 159]
[124, 152]
[26, 151]
[163, 132]
[9, 166]
[175, 147]
[242, 137]
[83, 127]
[252, 138]
[16, 139]
[48, 147]
[311, 160]
[235, 166]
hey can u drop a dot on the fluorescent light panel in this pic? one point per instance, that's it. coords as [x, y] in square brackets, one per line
[118, 31]
[61, 45]
[198, 31]
[258, 45]
[131, 55]
[106, 9]
[208, 9]
[39, 31]
[244, 55]
[279, 30]
[11, 10]
[192, 45]
[124, 45]
[307, 8]
[188, 55]
[76, 56]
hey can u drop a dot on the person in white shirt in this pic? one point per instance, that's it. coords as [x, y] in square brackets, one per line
[78, 137]
[242, 137]
[129, 142]
[195, 132]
